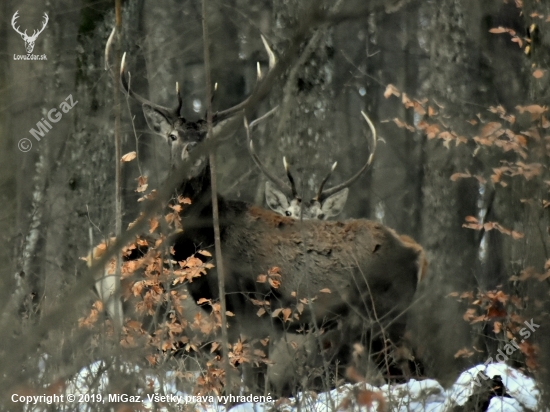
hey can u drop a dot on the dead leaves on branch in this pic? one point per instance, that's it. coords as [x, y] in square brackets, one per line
[534, 110]
[142, 184]
[403, 125]
[531, 273]
[273, 277]
[212, 380]
[150, 279]
[503, 312]
[490, 134]
[457, 176]
[362, 397]
[527, 171]
[473, 223]
[190, 269]
[520, 41]
[501, 112]
[391, 90]
[91, 319]
[421, 108]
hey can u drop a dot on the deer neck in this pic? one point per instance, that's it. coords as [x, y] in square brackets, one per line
[197, 186]
[198, 219]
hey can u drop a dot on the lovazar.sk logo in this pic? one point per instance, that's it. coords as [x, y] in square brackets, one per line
[29, 40]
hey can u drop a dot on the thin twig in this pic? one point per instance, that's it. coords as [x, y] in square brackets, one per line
[118, 173]
[215, 211]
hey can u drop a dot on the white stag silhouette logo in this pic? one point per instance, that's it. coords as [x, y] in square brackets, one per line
[29, 40]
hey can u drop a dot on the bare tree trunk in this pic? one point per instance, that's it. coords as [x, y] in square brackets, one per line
[531, 216]
[306, 108]
[452, 250]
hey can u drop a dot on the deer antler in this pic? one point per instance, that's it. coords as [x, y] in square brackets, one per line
[291, 180]
[322, 194]
[278, 182]
[320, 191]
[128, 89]
[224, 114]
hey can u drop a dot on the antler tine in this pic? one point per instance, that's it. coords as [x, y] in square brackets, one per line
[324, 194]
[214, 92]
[107, 50]
[291, 179]
[254, 123]
[270, 54]
[125, 84]
[278, 182]
[136, 96]
[180, 100]
[224, 114]
[320, 191]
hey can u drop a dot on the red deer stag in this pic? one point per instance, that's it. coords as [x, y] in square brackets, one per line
[308, 352]
[356, 273]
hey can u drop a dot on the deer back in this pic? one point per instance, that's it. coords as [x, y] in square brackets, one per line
[357, 263]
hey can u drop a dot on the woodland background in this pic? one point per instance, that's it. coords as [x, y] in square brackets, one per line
[458, 90]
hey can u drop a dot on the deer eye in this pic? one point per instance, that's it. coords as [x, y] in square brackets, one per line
[173, 137]
[288, 213]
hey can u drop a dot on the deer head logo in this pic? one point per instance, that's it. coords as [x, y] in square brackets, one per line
[29, 40]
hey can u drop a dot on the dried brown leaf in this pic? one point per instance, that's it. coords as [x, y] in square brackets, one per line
[456, 176]
[391, 90]
[153, 224]
[128, 157]
[537, 74]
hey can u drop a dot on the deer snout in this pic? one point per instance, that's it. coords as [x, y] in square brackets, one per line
[187, 148]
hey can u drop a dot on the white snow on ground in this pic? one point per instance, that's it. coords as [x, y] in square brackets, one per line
[518, 386]
[414, 396]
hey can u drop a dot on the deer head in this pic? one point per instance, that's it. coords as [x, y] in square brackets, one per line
[168, 123]
[326, 203]
[29, 40]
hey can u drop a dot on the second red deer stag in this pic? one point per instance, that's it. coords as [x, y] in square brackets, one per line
[358, 274]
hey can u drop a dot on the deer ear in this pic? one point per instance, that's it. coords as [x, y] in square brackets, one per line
[157, 121]
[276, 199]
[334, 204]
